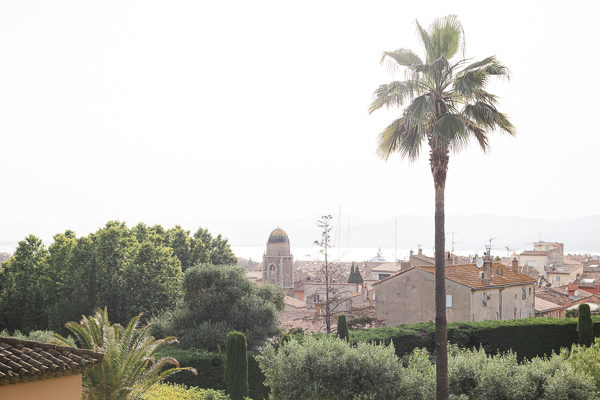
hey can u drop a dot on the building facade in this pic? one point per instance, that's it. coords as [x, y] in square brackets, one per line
[495, 293]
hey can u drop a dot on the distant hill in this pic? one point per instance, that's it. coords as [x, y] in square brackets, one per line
[472, 232]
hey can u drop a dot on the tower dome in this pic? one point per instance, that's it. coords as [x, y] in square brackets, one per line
[278, 236]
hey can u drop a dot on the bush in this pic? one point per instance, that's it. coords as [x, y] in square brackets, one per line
[236, 366]
[211, 371]
[180, 392]
[330, 368]
[585, 327]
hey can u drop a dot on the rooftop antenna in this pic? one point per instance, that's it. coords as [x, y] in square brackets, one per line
[509, 249]
[489, 248]
[453, 242]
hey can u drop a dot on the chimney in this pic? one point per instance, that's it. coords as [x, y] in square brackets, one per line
[420, 251]
[411, 253]
[515, 265]
[487, 270]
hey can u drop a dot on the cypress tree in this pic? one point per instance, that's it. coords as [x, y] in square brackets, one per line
[358, 277]
[585, 328]
[351, 276]
[342, 328]
[236, 366]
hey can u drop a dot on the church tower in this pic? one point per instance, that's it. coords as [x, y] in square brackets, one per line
[277, 262]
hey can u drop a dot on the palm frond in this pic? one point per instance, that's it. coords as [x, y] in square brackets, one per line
[400, 137]
[426, 42]
[447, 36]
[399, 57]
[394, 94]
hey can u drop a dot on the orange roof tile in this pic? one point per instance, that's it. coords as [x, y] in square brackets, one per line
[468, 275]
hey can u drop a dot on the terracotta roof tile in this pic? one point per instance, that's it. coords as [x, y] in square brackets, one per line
[27, 361]
[468, 275]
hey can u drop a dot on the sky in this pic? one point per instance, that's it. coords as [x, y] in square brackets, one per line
[177, 111]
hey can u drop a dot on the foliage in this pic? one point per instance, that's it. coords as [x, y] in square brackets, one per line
[211, 371]
[236, 366]
[528, 338]
[585, 327]
[128, 368]
[127, 270]
[342, 328]
[355, 276]
[221, 299]
[330, 368]
[585, 359]
[179, 392]
[38, 336]
[22, 287]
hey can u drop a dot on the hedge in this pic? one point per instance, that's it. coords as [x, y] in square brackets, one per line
[528, 338]
[211, 371]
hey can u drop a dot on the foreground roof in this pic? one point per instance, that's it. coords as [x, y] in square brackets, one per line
[28, 361]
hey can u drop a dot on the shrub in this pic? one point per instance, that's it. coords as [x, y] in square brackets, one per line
[342, 328]
[585, 328]
[180, 392]
[236, 366]
[330, 368]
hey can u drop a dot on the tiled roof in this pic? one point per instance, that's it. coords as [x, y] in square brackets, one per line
[542, 305]
[293, 302]
[563, 268]
[27, 361]
[552, 296]
[295, 315]
[388, 267]
[534, 253]
[468, 275]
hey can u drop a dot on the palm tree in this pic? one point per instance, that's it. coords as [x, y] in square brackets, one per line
[446, 106]
[128, 368]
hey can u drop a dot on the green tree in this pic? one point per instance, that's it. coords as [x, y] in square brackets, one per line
[128, 369]
[352, 276]
[585, 327]
[213, 250]
[236, 366]
[446, 105]
[342, 328]
[22, 292]
[221, 299]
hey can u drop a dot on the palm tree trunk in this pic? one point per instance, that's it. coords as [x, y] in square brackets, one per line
[439, 167]
[441, 324]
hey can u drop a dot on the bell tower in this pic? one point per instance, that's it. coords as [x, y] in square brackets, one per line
[277, 262]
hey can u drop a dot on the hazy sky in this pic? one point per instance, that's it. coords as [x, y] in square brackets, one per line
[172, 111]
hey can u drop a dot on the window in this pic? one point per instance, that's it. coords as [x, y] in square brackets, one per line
[316, 300]
[383, 276]
[524, 294]
[448, 301]
[523, 314]
[558, 279]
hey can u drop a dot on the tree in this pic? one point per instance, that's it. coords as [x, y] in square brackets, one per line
[446, 106]
[221, 299]
[22, 292]
[325, 244]
[585, 327]
[128, 369]
[236, 366]
[342, 328]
